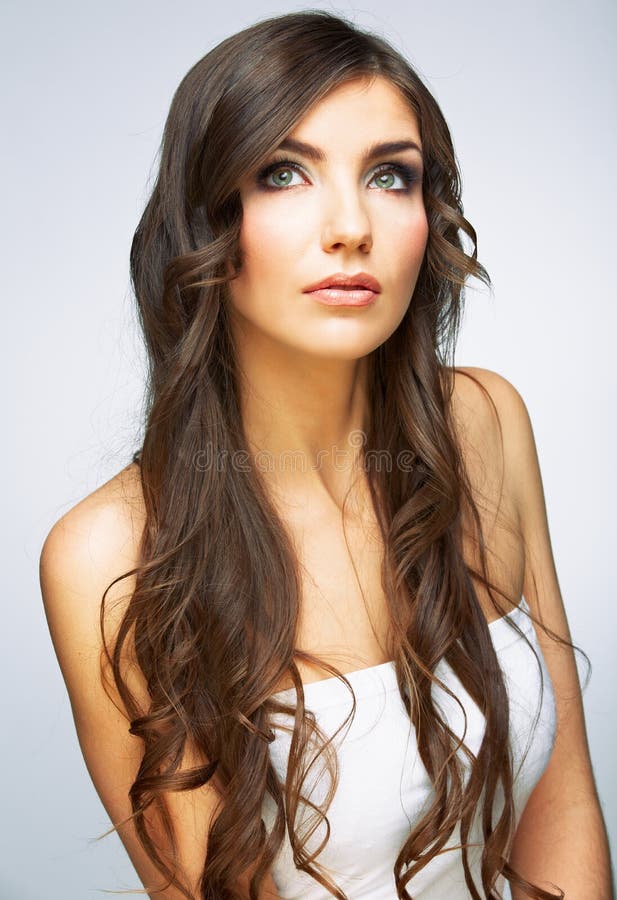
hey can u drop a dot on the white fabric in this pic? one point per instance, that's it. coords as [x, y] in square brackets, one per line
[383, 786]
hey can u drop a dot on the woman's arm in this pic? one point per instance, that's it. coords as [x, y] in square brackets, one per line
[561, 837]
[90, 546]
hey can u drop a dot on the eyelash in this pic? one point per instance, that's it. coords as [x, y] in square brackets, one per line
[409, 175]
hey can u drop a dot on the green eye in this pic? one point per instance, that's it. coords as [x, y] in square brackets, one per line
[385, 176]
[285, 176]
[277, 175]
[404, 173]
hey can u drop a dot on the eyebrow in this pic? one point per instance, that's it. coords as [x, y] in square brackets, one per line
[375, 150]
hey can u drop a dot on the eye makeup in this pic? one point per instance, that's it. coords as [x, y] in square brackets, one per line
[409, 175]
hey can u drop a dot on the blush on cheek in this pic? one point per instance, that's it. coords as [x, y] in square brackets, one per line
[409, 252]
[412, 241]
[409, 227]
[417, 230]
[265, 236]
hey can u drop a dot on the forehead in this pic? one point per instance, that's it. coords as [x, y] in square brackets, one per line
[362, 107]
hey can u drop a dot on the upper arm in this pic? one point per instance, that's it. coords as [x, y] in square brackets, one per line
[568, 777]
[85, 550]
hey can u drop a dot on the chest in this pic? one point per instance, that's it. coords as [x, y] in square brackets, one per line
[344, 617]
[343, 612]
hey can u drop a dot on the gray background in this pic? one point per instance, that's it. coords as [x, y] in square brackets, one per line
[528, 90]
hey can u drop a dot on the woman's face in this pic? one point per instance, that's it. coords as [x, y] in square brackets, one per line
[338, 205]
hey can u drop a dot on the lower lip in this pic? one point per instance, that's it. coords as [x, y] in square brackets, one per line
[334, 297]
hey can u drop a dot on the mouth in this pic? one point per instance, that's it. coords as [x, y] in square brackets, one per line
[341, 282]
[344, 296]
[341, 289]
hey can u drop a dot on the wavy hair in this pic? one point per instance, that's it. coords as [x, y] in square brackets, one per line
[214, 612]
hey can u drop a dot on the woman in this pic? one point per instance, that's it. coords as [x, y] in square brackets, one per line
[320, 493]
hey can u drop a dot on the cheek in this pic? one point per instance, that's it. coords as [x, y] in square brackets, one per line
[408, 245]
[267, 240]
[413, 232]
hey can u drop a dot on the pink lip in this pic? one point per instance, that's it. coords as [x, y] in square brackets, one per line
[344, 297]
[340, 282]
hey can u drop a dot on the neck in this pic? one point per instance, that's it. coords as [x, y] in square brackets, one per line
[304, 417]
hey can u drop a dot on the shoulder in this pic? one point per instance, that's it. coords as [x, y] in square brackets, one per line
[493, 424]
[99, 533]
[87, 549]
[116, 506]
[96, 542]
[488, 395]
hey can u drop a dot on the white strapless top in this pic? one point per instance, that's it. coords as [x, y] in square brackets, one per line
[383, 786]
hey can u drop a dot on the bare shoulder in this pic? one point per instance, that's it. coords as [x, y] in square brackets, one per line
[93, 544]
[482, 395]
[494, 429]
[522, 485]
[90, 546]
[485, 408]
[106, 524]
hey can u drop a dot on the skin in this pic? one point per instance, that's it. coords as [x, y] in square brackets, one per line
[309, 362]
[307, 359]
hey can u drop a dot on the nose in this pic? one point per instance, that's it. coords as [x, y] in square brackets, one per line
[346, 223]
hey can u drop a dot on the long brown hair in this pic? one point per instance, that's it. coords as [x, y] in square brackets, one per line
[215, 609]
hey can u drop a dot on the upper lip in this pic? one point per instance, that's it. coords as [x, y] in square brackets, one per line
[341, 280]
